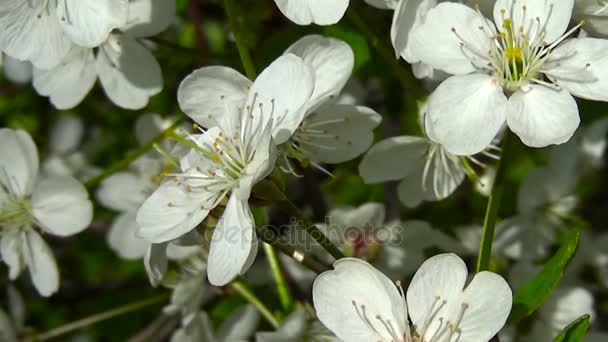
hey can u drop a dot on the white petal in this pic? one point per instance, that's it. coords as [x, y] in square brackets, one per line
[66, 134]
[434, 43]
[554, 16]
[149, 125]
[155, 262]
[128, 72]
[393, 158]
[170, 212]
[332, 61]
[443, 276]
[465, 113]
[581, 67]
[407, 15]
[355, 282]
[32, 33]
[11, 247]
[348, 131]
[411, 192]
[18, 161]
[489, 301]
[149, 17]
[7, 330]
[16, 70]
[69, 82]
[320, 12]
[123, 191]
[122, 239]
[61, 206]
[232, 243]
[240, 325]
[541, 116]
[281, 94]
[204, 93]
[293, 327]
[89, 22]
[41, 263]
[384, 4]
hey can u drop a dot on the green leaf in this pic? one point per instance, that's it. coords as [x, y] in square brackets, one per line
[536, 291]
[575, 331]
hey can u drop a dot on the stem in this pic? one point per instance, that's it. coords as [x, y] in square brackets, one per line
[275, 268]
[407, 79]
[240, 44]
[311, 228]
[241, 288]
[489, 223]
[91, 183]
[64, 329]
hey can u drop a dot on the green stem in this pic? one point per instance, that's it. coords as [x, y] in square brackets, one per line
[241, 288]
[233, 19]
[489, 223]
[309, 262]
[91, 183]
[407, 79]
[312, 230]
[275, 268]
[85, 322]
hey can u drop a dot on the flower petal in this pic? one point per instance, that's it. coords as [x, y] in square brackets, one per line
[123, 191]
[69, 82]
[581, 67]
[541, 116]
[17, 71]
[66, 134]
[489, 301]
[554, 16]
[11, 247]
[171, 211]
[232, 243]
[355, 289]
[465, 113]
[41, 263]
[393, 158]
[18, 161]
[440, 278]
[155, 262]
[322, 54]
[434, 42]
[320, 12]
[149, 17]
[281, 94]
[31, 33]
[240, 325]
[89, 22]
[348, 131]
[122, 240]
[128, 72]
[407, 15]
[61, 205]
[203, 95]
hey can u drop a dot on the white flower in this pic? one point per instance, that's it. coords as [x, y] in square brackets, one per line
[12, 324]
[57, 205]
[524, 74]
[297, 327]
[16, 70]
[128, 72]
[427, 171]
[43, 31]
[330, 132]
[66, 157]
[229, 158]
[306, 12]
[358, 303]
[239, 326]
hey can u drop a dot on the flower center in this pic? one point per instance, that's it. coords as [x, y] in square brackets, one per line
[15, 212]
[437, 328]
[517, 54]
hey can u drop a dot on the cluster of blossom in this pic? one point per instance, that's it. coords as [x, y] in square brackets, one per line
[518, 71]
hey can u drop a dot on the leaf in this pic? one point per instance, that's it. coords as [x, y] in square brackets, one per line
[575, 331]
[536, 291]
